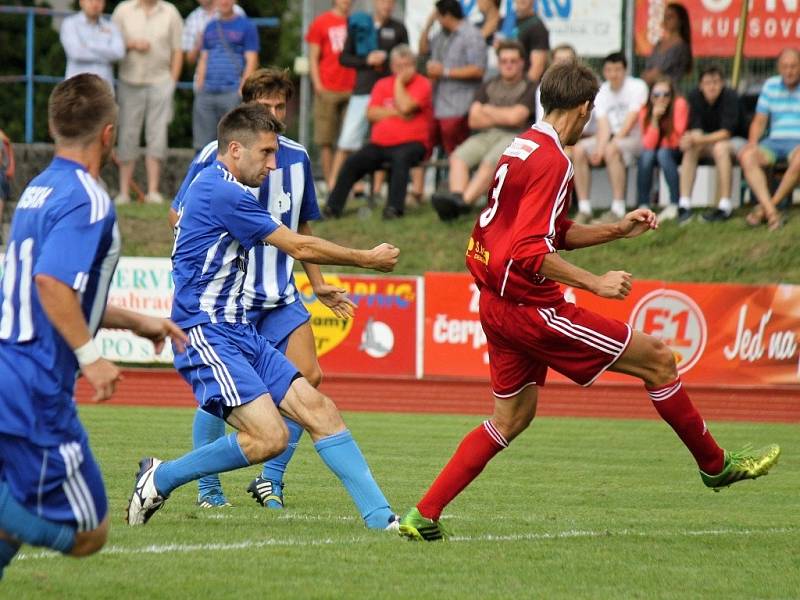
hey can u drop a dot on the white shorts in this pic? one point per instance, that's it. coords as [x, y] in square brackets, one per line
[630, 146]
[355, 125]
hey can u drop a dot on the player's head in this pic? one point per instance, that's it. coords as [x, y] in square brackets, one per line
[82, 113]
[615, 68]
[271, 87]
[711, 83]
[568, 89]
[248, 141]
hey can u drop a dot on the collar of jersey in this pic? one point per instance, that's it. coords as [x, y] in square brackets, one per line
[547, 129]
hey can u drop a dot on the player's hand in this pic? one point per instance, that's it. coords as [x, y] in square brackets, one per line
[614, 284]
[336, 299]
[103, 376]
[157, 330]
[636, 222]
[382, 258]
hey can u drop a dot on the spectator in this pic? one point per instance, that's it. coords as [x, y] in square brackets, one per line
[7, 166]
[229, 56]
[332, 82]
[779, 106]
[562, 52]
[501, 109]
[715, 132]
[370, 38]
[662, 121]
[617, 142]
[400, 110]
[152, 32]
[535, 38]
[91, 42]
[672, 54]
[490, 23]
[456, 66]
[195, 25]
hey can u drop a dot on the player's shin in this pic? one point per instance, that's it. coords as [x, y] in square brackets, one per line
[31, 529]
[206, 429]
[342, 455]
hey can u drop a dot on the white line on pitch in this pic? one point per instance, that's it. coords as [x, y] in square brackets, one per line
[522, 537]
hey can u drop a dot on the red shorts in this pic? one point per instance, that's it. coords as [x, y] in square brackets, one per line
[524, 340]
[450, 132]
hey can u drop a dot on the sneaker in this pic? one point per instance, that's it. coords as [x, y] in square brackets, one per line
[684, 216]
[744, 464]
[670, 213]
[329, 213]
[122, 199]
[583, 218]
[394, 523]
[444, 206]
[390, 212]
[266, 492]
[607, 217]
[417, 528]
[153, 198]
[145, 499]
[213, 498]
[715, 215]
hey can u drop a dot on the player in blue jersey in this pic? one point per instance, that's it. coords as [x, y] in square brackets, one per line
[61, 254]
[271, 296]
[234, 372]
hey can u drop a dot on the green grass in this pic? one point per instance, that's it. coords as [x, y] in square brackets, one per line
[576, 508]
[724, 252]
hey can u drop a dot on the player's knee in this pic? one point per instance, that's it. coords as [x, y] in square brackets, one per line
[89, 542]
[271, 442]
[314, 375]
[663, 364]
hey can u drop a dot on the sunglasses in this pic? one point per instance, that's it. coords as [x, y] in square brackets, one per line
[661, 94]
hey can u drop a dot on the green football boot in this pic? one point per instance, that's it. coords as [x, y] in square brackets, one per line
[417, 528]
[744, 464]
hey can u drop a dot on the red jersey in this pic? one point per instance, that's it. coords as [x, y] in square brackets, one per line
[526, 219]
[393, 131]
[329, 31]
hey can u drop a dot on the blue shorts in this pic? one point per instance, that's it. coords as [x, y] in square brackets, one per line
[277, 324]
[778, 149]
[230, 364]
[60, 483]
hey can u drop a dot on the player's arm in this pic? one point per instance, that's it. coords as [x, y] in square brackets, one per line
[633, 224]
[614, 284]
[331, 296]
[172, 217]
[155, 329]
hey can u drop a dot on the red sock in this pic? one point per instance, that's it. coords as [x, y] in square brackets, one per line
[473, 453]
[673, 404]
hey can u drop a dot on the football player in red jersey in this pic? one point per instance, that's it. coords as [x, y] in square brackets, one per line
[512, 254]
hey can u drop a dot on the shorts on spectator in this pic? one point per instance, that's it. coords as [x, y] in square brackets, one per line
[630, 147]
[736, 144]
[450, 132]
[778, 149]
[329, 111]
[355, 125]
[148, 105]
[484, 147]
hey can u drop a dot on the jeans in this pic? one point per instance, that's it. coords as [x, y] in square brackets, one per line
[667, 159]
[207, 110]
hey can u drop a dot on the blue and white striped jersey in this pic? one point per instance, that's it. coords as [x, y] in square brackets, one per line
[64, 226]
[289, 195]
[220, 222]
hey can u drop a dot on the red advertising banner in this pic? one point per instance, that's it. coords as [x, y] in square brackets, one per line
[382, 337]
[720, 334]
[771, 26]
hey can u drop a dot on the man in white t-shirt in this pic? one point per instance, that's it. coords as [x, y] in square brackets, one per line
[618, 140]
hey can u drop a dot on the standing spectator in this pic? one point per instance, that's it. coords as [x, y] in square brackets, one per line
[229, 56]
[370, 38]
[7, 167]
[456, 67]
[400, 111]
[663, 121]
[332, 82]
[152, 32]
[501, 109]
[91, 42]
[195, 25]
[714, 131]
[535, 38]
[618, 140]
[672, 54]
[779, 106]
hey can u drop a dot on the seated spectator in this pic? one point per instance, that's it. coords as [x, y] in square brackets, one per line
[229, 56]
[400, 111]
[195, 25]
[91, 42]
[7, 167]
[672, 54]
[714, 132]
[663, 121]
[456, 66]
[501, 109]
[779, 106]
[617, 142]
[535, 38]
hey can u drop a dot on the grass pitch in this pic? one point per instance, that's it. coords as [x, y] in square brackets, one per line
[576, 508]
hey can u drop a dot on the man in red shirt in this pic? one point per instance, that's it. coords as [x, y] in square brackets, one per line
[400, 111]
[332, 82]
[529, 325]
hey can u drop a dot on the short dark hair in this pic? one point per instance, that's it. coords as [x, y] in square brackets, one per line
[244, 123]
[711, 70]
[511, 45]
[79, 107]
[566, 85]
[450, 7]
[616, 57]
[267, 82]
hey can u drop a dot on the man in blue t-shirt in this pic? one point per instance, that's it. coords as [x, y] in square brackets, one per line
[229, 55]
[61, 255]
[235, 373]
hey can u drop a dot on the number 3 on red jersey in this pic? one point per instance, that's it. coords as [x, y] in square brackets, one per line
[488, 214]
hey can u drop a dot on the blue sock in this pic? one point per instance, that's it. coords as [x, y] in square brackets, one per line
[342, 456]
[275, 467]
[219, 456]
[7, 552]
[27, 527]
[206, 429]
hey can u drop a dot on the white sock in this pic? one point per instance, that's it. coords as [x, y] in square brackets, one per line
[618, 207]
[585, 206]
[685, 202]
[725, 205]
